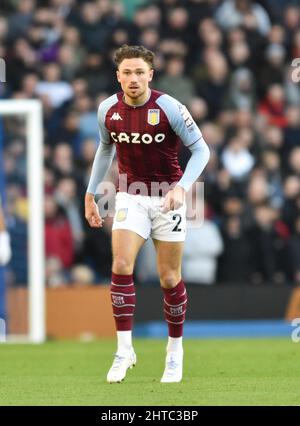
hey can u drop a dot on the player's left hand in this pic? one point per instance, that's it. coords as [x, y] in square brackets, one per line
[174, 199]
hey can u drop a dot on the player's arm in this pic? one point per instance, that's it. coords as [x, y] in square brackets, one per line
[102, 162]
[5, 249]
[185, 127]
[196, 164]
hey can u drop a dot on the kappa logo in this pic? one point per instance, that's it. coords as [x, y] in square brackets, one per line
[116, 116]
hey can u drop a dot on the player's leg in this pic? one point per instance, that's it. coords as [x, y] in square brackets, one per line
[131, 228]
[125, 246]
[169, 258]
[168, 233]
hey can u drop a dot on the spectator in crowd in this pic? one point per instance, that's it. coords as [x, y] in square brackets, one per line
[53, 87]
[16, 223]
[174, 82]
[292, 131]
[241, 94]
[273, 70]
[294, 252]
[234, 265]
[203, 246]
[82, 275]
[55, 274]
[21, 19]
[246, 13]
[237, 160]
[271, 165]
[273, 105]
[58, 234]
[268, 239]
[291, 190]
[211, 80]
[66, 197]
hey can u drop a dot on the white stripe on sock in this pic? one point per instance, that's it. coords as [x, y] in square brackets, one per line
[122, 285]
[172, 322]
[121, 306]
[123, 315]
[175, 306]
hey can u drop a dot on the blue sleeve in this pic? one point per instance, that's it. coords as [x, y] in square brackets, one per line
[185, 127]
[102, 111]
[106, 150]
[196, 164]
[102, 162]
[180, 120]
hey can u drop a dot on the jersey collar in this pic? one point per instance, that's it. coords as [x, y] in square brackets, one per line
[137, 106]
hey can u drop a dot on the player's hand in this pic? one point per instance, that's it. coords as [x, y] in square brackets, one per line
[174, 199]
[91, 212]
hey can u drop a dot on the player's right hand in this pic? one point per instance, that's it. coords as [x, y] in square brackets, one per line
[91, 212]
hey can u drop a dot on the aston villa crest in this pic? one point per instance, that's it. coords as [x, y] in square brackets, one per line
[153, 116]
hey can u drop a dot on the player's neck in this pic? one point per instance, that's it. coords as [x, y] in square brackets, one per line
[138, 101]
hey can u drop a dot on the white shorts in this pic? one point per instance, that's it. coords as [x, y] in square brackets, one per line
[141, 214]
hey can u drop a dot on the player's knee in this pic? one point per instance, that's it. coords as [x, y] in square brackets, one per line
[169, 279]
[122, 266]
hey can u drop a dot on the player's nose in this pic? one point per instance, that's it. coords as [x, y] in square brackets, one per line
[133, 79]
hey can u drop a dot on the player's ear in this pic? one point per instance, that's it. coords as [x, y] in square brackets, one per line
[151, 72]
[118, 75]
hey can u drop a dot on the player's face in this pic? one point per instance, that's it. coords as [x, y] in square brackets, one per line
[134, 75]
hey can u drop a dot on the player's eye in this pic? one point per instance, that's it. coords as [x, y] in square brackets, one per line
[140, 72]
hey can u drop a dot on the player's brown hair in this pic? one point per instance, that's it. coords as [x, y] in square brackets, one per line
[128, 52]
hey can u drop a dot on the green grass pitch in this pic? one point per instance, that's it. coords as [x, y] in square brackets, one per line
[216, 372]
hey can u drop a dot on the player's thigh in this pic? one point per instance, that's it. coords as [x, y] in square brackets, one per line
[125, 247]
[170, 226]
[132, 215]
[169, 258]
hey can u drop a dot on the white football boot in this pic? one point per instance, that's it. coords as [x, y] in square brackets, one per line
[120, 365]
[173, 369]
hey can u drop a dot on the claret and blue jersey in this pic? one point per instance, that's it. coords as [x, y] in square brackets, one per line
[146, 136]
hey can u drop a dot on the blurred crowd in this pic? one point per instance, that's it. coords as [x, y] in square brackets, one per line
[229, 62]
